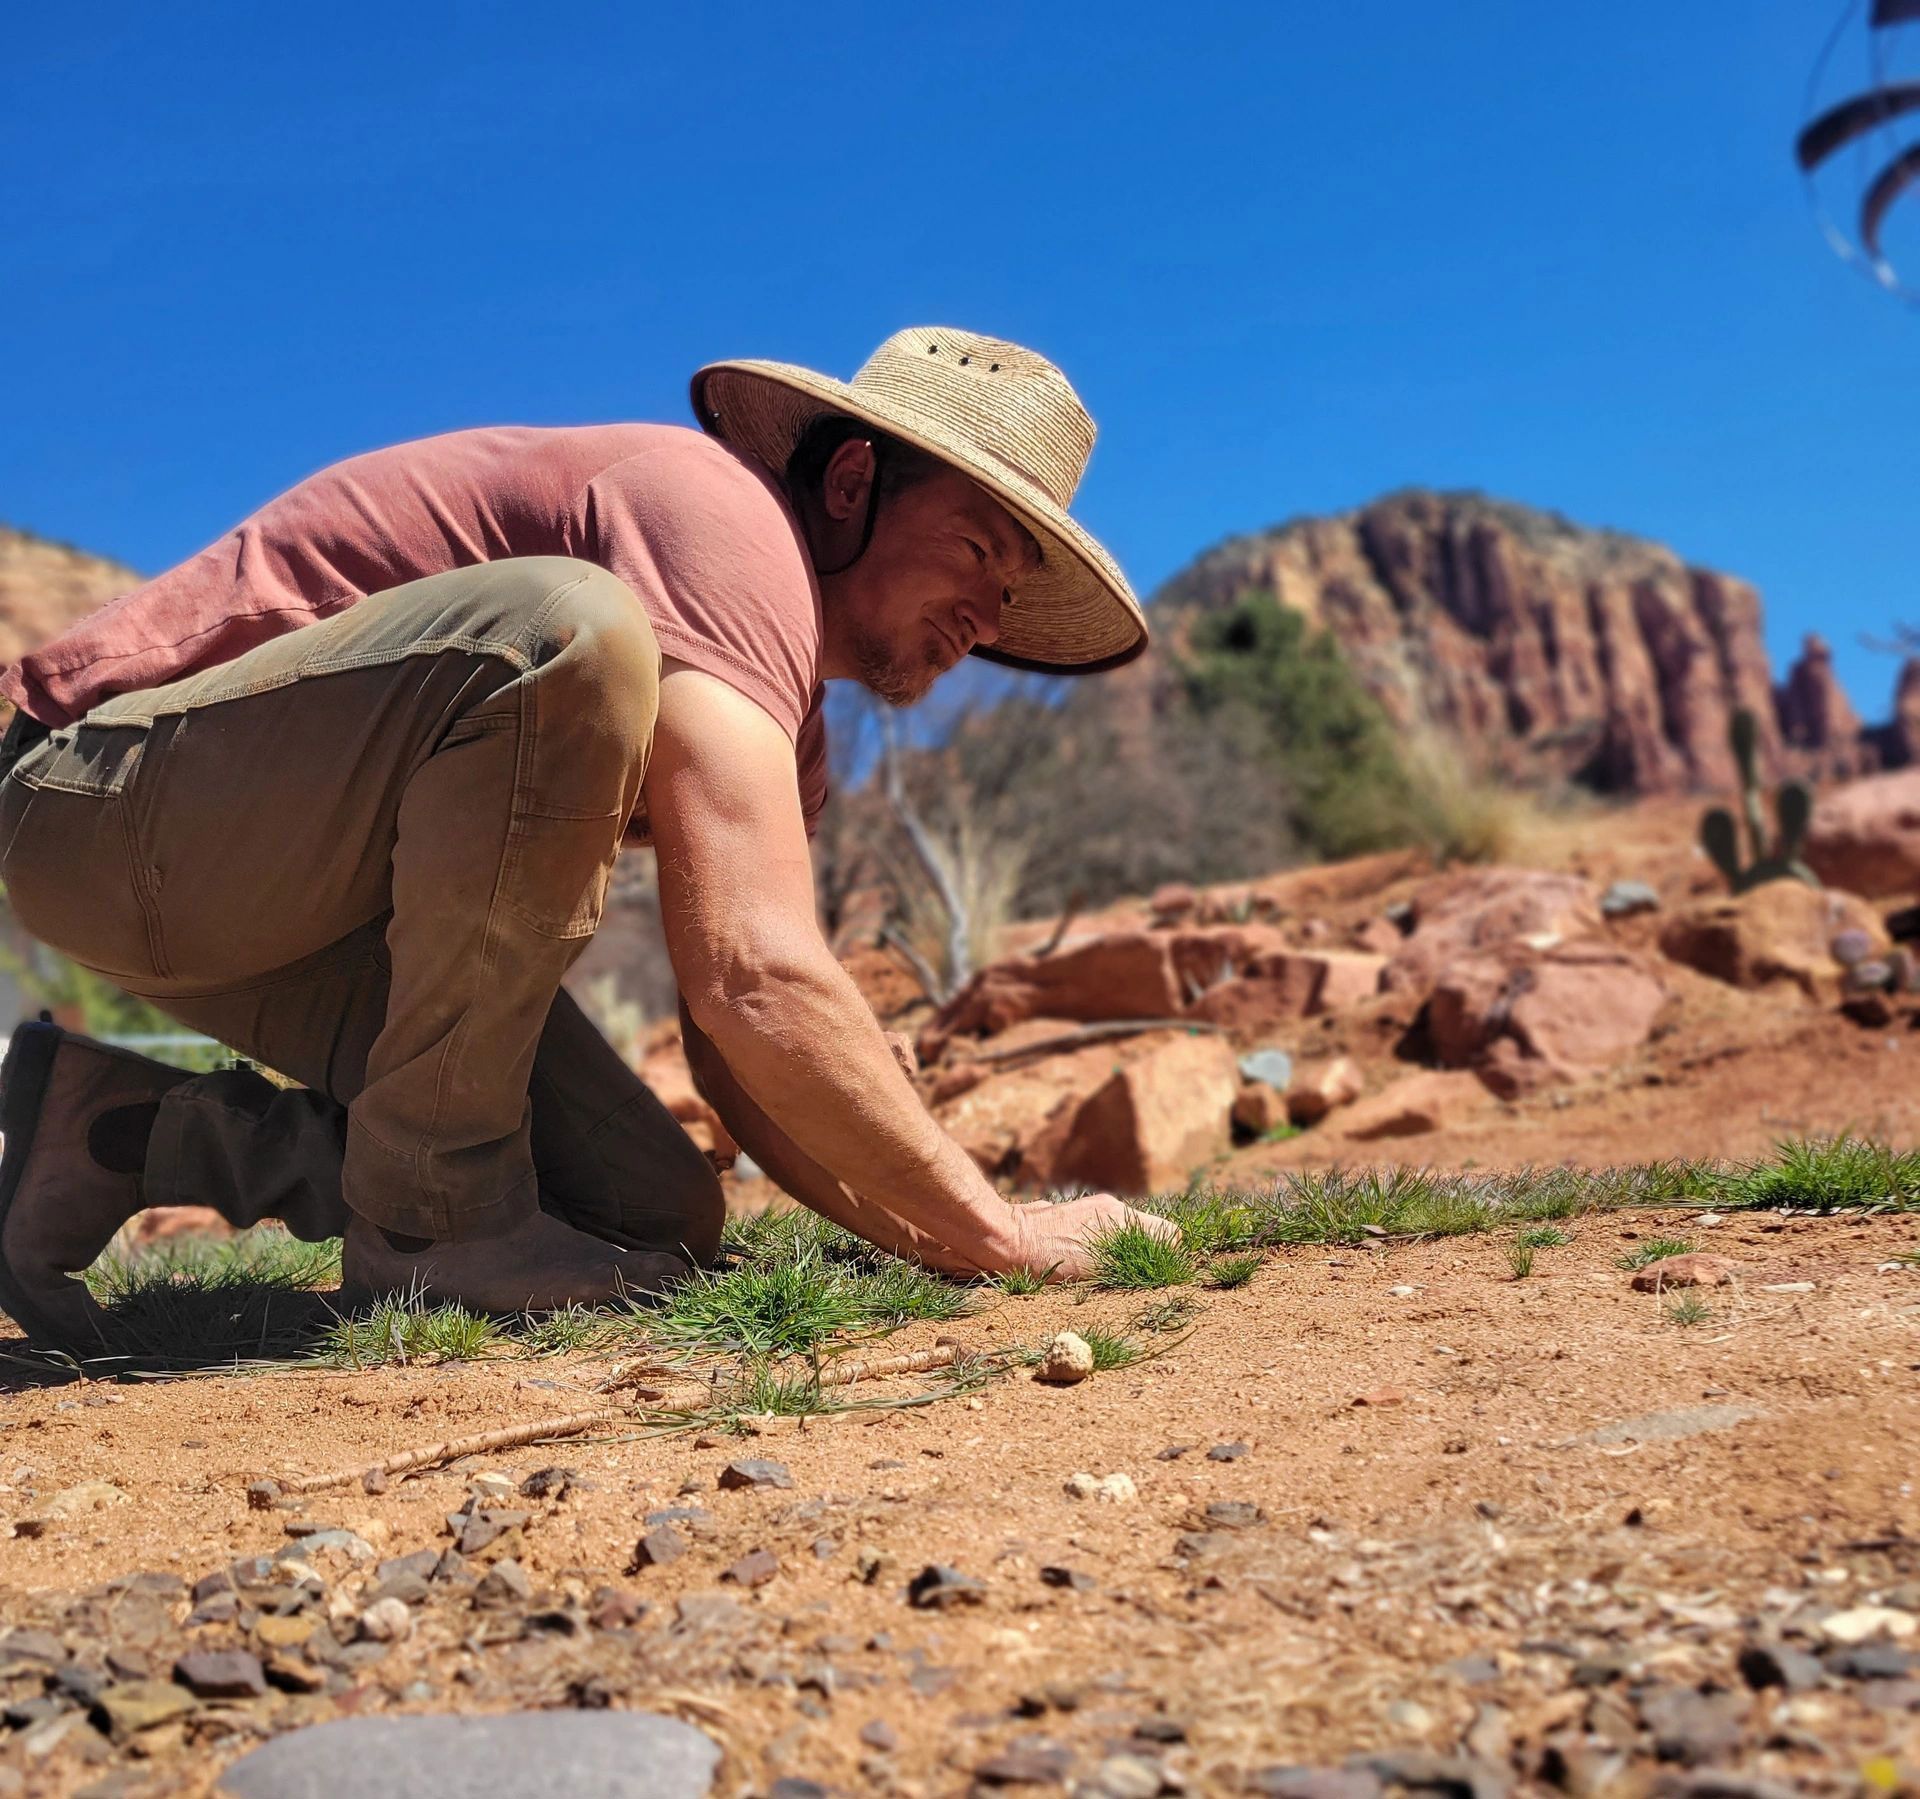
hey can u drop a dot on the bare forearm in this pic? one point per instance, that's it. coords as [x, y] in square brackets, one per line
[812, 1077]
[798, 1173]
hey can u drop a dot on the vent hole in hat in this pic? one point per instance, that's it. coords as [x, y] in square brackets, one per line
[993, 368]
[933, 349]
[964, 360]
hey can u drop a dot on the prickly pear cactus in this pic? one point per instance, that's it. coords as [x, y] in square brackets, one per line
[1775, 857]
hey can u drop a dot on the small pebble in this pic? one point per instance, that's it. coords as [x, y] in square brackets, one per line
[937, 1586]
[754, 1473]
[1112, 1489]
[386, 1621]
[1068, 1358]
[754, 1569]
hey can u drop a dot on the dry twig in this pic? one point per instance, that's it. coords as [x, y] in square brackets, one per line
[844, 1374]
[513, 1436]
[571, 1424]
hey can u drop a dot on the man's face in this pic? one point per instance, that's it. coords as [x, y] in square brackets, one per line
[931, 585]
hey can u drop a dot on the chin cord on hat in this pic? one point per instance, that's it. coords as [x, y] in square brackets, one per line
[873, 514]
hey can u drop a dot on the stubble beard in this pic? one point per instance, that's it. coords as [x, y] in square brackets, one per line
[900, 680]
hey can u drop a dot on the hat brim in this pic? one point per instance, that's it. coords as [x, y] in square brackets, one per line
[1074, 615]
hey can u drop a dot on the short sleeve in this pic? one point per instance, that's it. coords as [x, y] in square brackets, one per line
[811, 755]
[710, 547]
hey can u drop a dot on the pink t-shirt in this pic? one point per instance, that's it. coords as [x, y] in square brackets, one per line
[699, 532]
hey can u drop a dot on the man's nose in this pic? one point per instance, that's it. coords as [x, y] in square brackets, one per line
[982, 615]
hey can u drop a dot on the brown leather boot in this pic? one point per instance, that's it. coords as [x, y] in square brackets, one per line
[536, 1265]
[59, 1206]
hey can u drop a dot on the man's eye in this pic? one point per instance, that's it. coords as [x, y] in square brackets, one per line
[979, 555]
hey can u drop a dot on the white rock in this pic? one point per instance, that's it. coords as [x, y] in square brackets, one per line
[386, 1621]
[89, 1496]
[492, 1485]
[1864, 1622]
[1067, 1358]
[1114, 1489]
[1400, 1292]
[1788, 1287]
[1127, 1777]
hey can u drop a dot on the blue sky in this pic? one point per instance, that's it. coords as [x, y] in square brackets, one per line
[1292, 254]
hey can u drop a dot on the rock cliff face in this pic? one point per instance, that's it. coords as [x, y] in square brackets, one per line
[1545, 649]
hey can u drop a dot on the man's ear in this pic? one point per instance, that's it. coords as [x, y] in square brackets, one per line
[849, 479]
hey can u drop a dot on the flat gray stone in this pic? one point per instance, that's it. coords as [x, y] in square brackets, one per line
[1670, 1427]
[1274, 1066]
[1624, 898]
[521, 1755]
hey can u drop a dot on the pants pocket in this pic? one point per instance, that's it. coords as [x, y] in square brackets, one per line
[558, 871]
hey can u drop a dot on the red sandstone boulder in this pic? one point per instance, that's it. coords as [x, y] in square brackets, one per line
[1866, 836]
[1695, 1270]
[1322, 1088]
[999, 1112]
[1118, 975]
[1329, 980]
[884, 981]
[157, 1223]
[1208, 957]
[1414, 1105]
[1777, 934]
[1456, 916]
[1149, 1126]
[1378, 937]
[1527, 1017]
[1250, 1011]
[1172, 903]
[1286, 985]
[1258, 1109]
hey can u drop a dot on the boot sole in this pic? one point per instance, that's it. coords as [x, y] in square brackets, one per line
[23, 1087]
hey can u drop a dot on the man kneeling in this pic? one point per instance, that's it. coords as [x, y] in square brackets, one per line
[344, 791]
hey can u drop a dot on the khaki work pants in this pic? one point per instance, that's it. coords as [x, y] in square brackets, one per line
[363, 854]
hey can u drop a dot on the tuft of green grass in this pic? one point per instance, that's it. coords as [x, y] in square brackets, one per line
[1131, 1258]
[193, 1302]
[1210, 1221]
[572, 1330]
[1018, 1282]
[771, 1308]
[897, 1293]
[404, 1330]
[796, 1289]
[1655, 1249]
[1520, 1258]
[761, 1391]
[1280, 1133]
[1689, 1308]
[1111, 1349]
[1543, 1236]
[1823, 1174]
[1228, 1272]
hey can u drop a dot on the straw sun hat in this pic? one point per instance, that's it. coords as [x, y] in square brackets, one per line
[1008, 420]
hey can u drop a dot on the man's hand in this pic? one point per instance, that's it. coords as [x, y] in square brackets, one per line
[1056, 1240]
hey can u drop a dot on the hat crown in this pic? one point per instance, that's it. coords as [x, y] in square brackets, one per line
[1007, 403]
